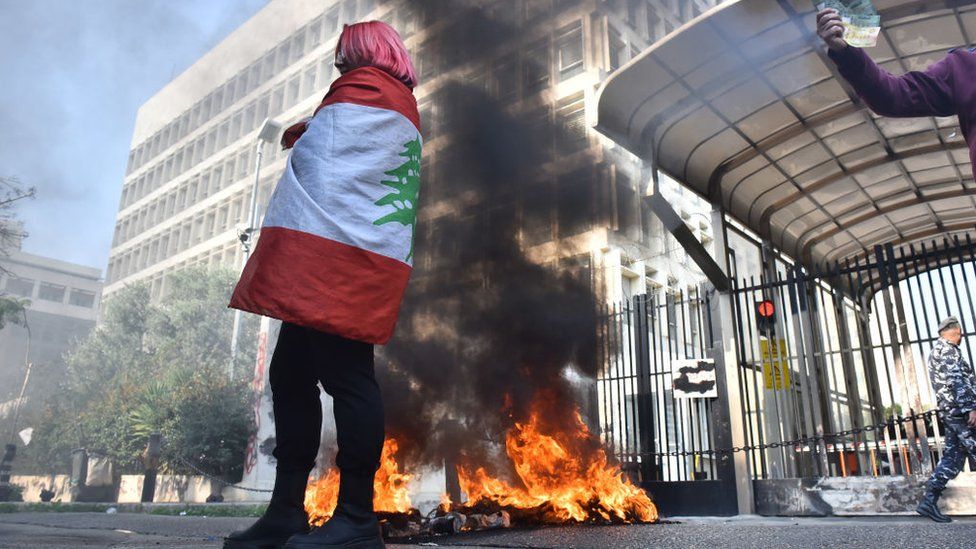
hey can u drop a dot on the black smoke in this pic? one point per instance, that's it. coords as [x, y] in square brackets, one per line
[484, 329]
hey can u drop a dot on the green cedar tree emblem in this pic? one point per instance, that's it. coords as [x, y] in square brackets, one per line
[406, 190]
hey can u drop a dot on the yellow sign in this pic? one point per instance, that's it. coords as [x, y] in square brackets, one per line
[775, 367]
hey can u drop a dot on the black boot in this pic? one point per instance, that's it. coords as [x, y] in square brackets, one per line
[353, 525]
[284, 517]
[929, 506]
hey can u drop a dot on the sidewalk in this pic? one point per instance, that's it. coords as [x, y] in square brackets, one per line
[137, 530]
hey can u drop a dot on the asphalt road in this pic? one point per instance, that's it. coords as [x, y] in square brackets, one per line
[124, 530]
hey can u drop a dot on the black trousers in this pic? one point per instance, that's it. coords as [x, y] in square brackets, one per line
[302, 359]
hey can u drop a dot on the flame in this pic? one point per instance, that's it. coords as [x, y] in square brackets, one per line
[390, 489]
[573, 485]
[446, 502]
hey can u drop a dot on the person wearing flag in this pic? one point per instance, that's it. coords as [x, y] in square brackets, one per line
[332, 263]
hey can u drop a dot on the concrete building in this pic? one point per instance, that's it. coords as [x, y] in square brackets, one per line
[187, 187]
[64, 301]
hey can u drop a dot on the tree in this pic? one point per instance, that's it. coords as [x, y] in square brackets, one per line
[11, 192]
[406, 191]
[155, 367]
[12, 310]
[11, 232]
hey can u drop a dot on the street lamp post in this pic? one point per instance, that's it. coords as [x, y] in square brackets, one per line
[267, 134]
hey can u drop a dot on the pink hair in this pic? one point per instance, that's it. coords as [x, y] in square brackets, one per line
[376, 44]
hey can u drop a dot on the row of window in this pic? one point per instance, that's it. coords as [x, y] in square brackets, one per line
[569, 50]
[221, 175]
[46, 291]
[533, 70]
[254, 75]
[310, 81]
[558, 57]
[230, 213]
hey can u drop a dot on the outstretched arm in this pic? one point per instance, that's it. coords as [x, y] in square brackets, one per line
[925, 93]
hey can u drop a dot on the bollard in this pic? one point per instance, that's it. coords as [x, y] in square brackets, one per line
[150, 460]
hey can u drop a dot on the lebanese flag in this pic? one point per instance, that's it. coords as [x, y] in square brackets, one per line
[336, 245]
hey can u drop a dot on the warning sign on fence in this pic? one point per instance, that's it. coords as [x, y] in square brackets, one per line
[775, 366]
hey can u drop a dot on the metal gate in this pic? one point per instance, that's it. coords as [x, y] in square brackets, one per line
[835, 383]
[661, 439]
[832, 383]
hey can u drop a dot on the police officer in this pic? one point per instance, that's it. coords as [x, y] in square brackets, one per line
[955, 388]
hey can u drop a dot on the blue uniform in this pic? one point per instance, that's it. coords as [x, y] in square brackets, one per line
[955, 389]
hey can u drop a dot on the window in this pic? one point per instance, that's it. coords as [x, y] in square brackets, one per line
[209, 147]
[248, 122]
[267, 66]
[23, 287]
[535, 9]
[478, 78]
[222, 134]
[429, 60]
[332, 21]
[325, 70]
[51, 292]
[235, 126]
[277, 99]
[253, 77]
[315, 32]
[618, 49]
[572, 113]
[426, 120]
[297, 47]
[574, 202]
[281, 56]
[263, 103]
[654, 30]
[294, 89]
[218, 100]
[406, 22]
[569, 48]
[535, 68]
[506, 79]
[243, 162]
[309, 85]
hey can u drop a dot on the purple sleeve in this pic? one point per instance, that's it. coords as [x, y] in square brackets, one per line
[927, 93]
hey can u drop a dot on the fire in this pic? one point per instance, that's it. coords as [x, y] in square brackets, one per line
[571, 484]
[446, 503]
[390, 489]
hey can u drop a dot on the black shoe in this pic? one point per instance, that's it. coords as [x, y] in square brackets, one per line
[929, 507]
[284, 517]
[354, 524]
[342, 530]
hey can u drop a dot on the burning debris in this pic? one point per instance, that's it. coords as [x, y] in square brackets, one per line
[564, 476]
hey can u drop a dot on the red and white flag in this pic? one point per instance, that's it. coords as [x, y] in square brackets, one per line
[336, 245]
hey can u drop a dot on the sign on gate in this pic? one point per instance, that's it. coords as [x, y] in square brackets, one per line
[775, 367]
[694, 378]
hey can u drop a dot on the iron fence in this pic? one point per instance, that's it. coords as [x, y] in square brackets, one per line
[846, 349]
[641, 418]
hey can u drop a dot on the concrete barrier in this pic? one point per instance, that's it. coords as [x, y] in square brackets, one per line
[33, 484]
[850, 496]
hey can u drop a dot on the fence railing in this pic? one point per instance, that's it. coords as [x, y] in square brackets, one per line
[847, 349]
[834, 384]
[642, 420]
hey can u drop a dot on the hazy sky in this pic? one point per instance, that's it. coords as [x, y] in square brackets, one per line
[72, 74]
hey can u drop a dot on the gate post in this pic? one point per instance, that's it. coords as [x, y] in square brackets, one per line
[645, 404]
[728, 420]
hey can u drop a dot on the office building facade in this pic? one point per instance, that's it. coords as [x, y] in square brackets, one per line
[187, 190]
